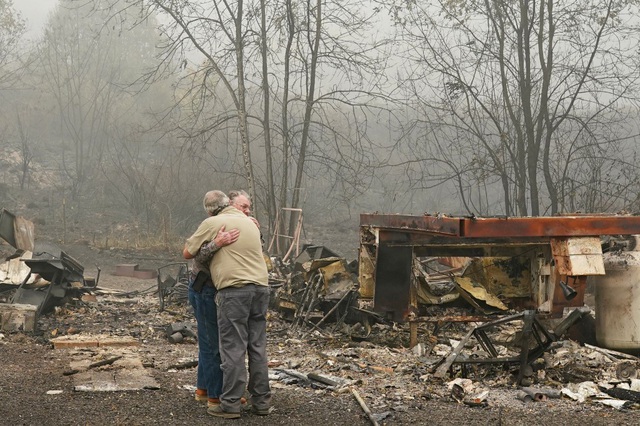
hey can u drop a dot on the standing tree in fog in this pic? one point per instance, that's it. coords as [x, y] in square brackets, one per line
[286, 82]
[12, 29]
[89, 64]
[536, 98]
[331, 66]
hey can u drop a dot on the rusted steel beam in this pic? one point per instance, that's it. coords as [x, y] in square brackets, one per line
[555, 226]
[511, 227]
[434, 224]
[426, 244]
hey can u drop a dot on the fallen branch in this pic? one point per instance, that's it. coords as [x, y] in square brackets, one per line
[376, 368]
[610, 352]
[364, 406]
[184, 365]
[294, 373]
[105, 362]
[322, 379]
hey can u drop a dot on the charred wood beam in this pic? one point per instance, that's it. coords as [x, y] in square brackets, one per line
[455, 318]
[364, 407]
[332, 310]
[442, 369]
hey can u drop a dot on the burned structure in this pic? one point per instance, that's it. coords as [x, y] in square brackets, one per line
[37, 274]
[317, 287]
[537, 266]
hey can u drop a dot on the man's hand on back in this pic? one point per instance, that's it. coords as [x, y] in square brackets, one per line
[224, 238]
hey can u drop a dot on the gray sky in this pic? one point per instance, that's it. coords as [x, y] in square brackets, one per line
[35, 12]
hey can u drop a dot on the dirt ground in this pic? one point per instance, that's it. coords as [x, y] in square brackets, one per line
[37, 387]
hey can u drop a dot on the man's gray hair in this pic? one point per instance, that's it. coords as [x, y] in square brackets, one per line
[214, 201]
[235, 193]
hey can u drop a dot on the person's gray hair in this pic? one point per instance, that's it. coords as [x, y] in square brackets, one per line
[214, 201]
[233, 194]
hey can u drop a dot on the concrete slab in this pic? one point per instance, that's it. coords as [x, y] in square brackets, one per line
[126, 373]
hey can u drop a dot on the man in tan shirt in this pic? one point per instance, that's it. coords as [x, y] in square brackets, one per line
[239, 272]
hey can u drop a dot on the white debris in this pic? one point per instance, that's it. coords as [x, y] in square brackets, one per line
[615, 403]
[581, 391]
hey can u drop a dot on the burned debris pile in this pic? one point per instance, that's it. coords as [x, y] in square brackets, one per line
[424, 314]
[316, 288]
[35, 277]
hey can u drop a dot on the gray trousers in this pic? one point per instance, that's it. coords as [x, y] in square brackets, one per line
[242, 326]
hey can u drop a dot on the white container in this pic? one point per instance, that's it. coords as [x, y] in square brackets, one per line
[617, 300]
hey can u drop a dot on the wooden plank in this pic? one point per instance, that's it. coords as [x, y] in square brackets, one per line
[580, 245]
[580, 265]
[578, 256]
[61, 343]
[93, 342]
[441, 371]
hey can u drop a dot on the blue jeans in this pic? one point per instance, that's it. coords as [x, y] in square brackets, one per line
[206, 313]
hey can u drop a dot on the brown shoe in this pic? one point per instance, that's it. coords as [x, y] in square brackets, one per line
[261, 412]
[201, 395]
[219, 412]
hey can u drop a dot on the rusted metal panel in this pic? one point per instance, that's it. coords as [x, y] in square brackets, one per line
[395, 296]
[579, 284]
[426, 244]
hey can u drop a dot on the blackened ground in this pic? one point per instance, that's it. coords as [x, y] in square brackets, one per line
[29, 367]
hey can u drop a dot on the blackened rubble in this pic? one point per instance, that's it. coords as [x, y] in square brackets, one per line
[326, 335]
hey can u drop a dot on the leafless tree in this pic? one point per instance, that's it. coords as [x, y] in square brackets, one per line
[26, 151]
[12, 28]
[298, 79]
[88, 67]
[337, 60]
[521, 96]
